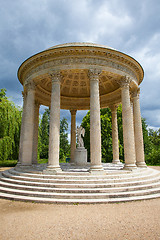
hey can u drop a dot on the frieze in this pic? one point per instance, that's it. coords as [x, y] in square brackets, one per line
[88, 60]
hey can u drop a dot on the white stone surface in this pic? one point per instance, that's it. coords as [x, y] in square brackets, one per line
[53, 160]
[80, 156]
[95, 122]
[35, 132]
[128, 131]
[73, 134]
[139, 146]
[115, 143]
[28, 125]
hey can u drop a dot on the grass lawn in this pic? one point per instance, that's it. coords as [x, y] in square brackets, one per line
[12, 163]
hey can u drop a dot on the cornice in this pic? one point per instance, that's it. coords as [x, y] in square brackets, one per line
[80, 55]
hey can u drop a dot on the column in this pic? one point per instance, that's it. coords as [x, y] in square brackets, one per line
[115, 143]
[22, 128]
[54, 129]
[95, 122]
[26, 147]
[128, 131]
[35, 132]
[73, 134]
[139, 146]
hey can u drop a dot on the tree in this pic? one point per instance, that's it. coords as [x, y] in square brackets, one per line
[43, 143]
[106, 133]
[44, 137]
[152, 145]
[146, 139]
[64, 144]
[10, 123]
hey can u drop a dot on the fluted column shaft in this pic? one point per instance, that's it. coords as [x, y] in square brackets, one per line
[35, 132]
[95, 122]
[22, 128]
[139, 146]
[54, 129]
[73, 134]
[26, 147]
[115, 143]
[128, 131]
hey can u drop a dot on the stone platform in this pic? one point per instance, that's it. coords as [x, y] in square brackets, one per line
[76, 184]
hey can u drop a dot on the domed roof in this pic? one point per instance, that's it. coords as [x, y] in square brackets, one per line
[80, 44]
[74, 61]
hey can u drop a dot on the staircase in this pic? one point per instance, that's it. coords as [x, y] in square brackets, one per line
[76, 185]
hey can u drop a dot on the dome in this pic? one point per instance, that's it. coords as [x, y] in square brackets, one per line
[80, 44]
[74, 61]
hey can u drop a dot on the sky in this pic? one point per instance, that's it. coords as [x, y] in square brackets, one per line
[132, 27]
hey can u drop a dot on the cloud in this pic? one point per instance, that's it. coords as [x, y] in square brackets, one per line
[27, 27]
[149, 57]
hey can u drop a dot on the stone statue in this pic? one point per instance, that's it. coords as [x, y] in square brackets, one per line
[80, 131]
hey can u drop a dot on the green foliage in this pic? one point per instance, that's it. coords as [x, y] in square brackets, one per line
[151, 138]
[120, 132]
[146, 140]
[86, 125]
[3, 94]
[43, 140]
[10, 123]
[43, 143]
[153, 158]
[106, 133]
[64, 144]
[152, 146]
[8, 163]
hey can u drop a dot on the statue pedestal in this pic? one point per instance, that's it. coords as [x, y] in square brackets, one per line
[80, 156]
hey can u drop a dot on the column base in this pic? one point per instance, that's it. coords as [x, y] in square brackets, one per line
[25, 165]
[116, 161]
[141, 164]
[130, 167]
[52, 169]
[34, 163]
[72, 163]
[97, 170]
[18, 163]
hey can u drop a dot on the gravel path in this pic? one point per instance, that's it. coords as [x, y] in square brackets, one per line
[123, 221]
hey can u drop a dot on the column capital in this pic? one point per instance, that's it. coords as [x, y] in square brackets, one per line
[136, 93]
[56, 76]
[125, 82]
[73, 112]
[30, 86]
[113, 107]
[94, 74]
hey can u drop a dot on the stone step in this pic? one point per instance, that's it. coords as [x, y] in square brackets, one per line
[76, 201]
[115, 186]
[85, 176]
[109, 184]
[80, 195]
[84, 181]
[69, 169]
[81, 190]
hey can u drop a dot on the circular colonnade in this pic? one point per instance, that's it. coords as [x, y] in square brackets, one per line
[81, 76]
